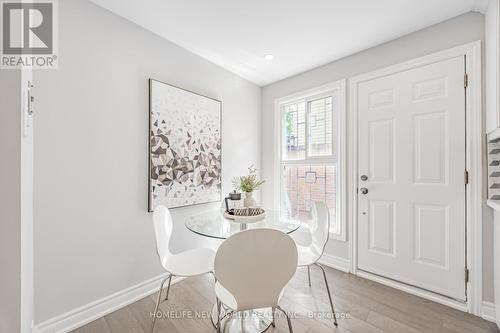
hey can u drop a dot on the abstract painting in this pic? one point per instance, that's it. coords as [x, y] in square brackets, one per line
[184, 147]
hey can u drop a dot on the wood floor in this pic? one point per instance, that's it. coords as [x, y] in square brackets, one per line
[369, 306]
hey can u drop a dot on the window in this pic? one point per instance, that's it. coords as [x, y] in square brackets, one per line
[311, 162]
[294, 148]
[321, 127]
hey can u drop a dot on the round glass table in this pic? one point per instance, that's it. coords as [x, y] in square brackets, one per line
[213, 224]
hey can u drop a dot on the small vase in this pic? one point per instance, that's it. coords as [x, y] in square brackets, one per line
[249, 201]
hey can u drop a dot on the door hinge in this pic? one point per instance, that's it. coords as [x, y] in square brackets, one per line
[466, 80]
[466, 177]
[466, 275]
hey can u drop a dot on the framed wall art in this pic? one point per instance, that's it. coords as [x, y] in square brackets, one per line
[185, 151]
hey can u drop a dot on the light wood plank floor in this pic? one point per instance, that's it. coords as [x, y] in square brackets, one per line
[370, 307]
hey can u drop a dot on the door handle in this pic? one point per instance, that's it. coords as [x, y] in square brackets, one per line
[363, 190]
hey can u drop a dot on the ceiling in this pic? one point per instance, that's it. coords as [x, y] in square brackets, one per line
[300, 34]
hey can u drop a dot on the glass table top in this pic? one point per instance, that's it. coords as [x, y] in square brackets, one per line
[213, 224]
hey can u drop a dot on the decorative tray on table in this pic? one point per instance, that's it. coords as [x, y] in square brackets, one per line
[246, 215]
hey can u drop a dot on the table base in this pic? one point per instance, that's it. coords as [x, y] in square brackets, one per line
[252, 321]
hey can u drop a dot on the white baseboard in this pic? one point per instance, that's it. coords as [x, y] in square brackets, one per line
[335, 262]
[488, 311]
[85, 314]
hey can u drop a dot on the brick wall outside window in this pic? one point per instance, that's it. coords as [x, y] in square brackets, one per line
[306, 183]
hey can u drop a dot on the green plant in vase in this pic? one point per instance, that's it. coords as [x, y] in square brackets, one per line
[248, 184]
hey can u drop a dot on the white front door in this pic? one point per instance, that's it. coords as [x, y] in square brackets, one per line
[411, 189]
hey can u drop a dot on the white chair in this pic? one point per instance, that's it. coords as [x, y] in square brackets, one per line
[309, 255]
[188, 263]
[252, 269]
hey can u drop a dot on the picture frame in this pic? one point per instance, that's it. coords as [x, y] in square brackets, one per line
[185, 147]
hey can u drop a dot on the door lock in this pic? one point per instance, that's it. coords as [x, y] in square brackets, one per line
[364, 178]
[363, 190]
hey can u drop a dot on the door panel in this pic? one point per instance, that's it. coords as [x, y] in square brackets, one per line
[382, 151]
[431, 153]
[431, 235]
[411, 223]
[382, 227]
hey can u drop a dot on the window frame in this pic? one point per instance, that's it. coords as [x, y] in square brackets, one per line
[339, 141]
[309, 100]
[318, 159]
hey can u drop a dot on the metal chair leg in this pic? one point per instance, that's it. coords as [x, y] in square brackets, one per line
[290, 329]
[168, 288]
[158, 304]
[329, 294]
[309, 274]
[218, 315]
[231, 315]
[213, 274]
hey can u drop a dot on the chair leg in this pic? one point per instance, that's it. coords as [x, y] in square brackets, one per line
[158, 304]
[273, 322]
[218, 315]
[168, 288]
[231, 315]
[329, 294]
[309, 274]
[290, 329]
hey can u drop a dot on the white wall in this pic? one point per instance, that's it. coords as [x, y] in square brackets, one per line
[10, 199]
[491, 123]
[496, 269]
[460, 30]
[93, 234]
[491, 36]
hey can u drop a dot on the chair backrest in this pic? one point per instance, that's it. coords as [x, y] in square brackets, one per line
[163, 230]
[320, 228]
[255, 265]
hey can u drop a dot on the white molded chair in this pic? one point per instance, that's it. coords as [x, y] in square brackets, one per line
[188, 263]
[309, 255]
[252, 269]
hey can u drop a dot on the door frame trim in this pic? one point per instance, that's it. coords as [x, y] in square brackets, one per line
[474, 161]
[27, 307]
